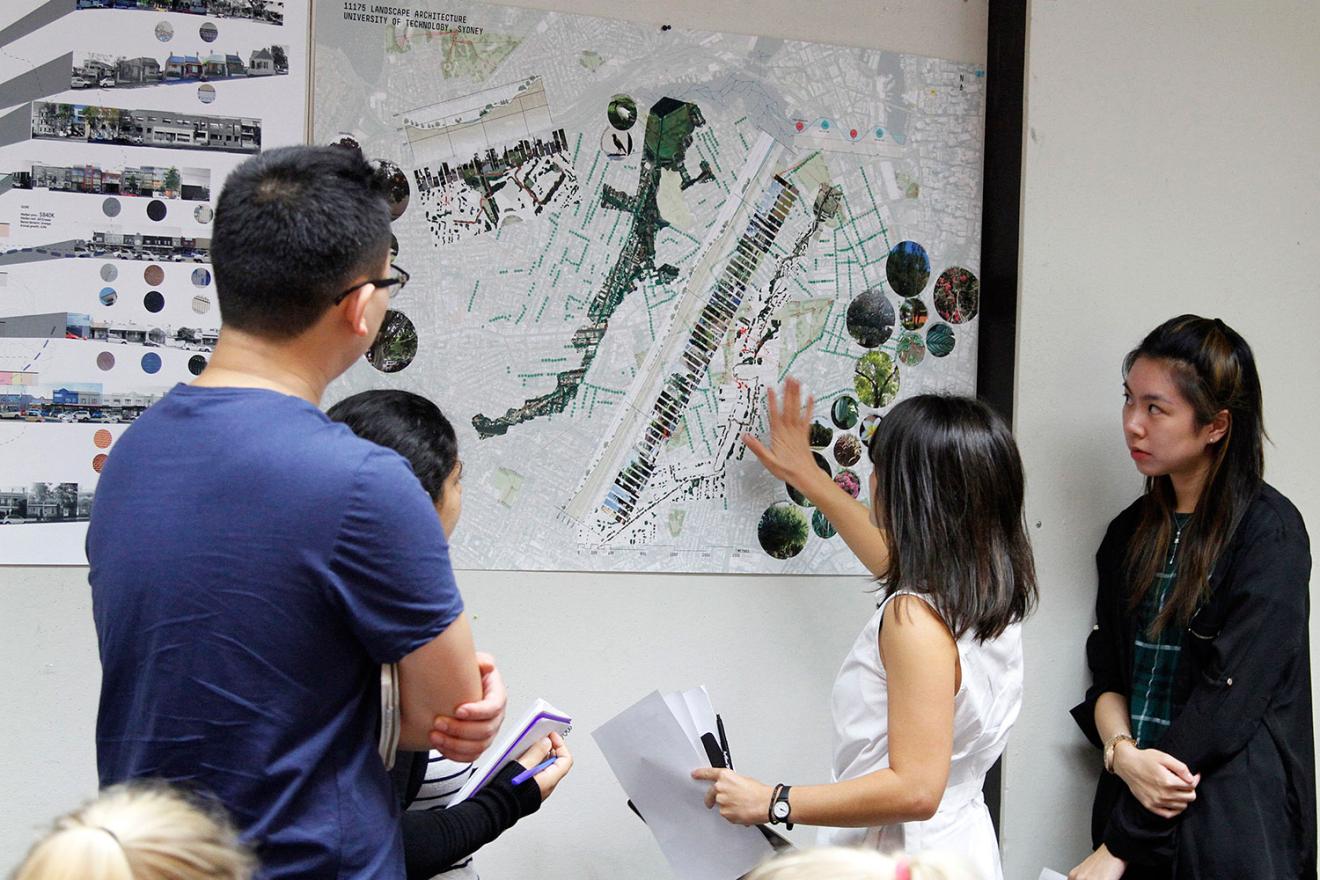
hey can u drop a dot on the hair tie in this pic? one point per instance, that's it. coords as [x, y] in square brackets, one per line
[902, 870]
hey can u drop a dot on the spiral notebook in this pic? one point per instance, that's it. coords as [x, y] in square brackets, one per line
[539, 721]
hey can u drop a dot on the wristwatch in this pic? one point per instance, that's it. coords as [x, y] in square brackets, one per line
[780, 808]
[1111, 745]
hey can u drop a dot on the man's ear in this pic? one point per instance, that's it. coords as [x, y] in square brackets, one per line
[355, 308]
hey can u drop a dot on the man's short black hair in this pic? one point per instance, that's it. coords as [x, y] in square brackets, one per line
[294, 227]
[409, 424]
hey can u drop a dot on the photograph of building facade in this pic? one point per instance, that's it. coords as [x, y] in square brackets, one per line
[72, 325]
[189, 184]
[44, 502]
[271, 11]
[145, 128]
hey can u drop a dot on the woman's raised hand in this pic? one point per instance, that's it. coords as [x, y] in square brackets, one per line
[788, 454]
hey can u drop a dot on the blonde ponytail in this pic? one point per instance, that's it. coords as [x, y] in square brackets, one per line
[844, 863]
[141, 831]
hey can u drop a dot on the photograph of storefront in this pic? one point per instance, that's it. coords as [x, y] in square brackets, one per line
[145, 128]
[134, 246]
[189, 184]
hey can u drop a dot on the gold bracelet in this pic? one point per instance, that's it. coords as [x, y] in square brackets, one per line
[1111, 744]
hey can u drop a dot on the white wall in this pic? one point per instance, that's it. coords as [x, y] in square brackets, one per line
[1170, 167]
[766, 647]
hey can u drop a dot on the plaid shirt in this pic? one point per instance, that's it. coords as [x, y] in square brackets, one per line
[1155, 660]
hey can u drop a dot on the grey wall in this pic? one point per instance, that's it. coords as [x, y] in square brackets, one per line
[1170, 167]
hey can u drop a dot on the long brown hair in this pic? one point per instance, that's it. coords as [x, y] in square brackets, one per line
[1215, 371]
[948, 497]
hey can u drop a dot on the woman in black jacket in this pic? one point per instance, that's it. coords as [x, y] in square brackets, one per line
[1201, 694]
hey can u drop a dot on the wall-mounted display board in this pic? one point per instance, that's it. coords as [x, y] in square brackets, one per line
[119, 120]
[621, 235]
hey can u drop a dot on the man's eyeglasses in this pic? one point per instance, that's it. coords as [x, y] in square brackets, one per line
[394, 283]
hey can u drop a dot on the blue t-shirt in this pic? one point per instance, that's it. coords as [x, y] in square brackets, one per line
[252, 566]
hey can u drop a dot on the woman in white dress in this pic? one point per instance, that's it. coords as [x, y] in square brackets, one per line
[924, 701]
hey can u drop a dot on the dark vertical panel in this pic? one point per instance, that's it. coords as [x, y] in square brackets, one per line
[1005, 63]
[1006, 52]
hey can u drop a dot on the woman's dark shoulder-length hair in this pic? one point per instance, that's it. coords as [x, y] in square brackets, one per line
[949, 499]
[409, 424]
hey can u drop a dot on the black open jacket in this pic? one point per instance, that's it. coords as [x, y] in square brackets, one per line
[1242, 698]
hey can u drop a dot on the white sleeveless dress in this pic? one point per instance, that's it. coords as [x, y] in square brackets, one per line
[985, 707]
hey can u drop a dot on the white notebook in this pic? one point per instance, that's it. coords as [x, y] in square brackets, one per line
[539, 721]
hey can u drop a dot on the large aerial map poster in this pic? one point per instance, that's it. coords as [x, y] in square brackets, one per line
[620, 235]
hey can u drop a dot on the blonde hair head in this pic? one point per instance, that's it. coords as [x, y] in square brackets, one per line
[139, 832]
[842, 863]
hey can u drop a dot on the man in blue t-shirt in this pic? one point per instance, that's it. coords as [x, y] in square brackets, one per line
[253, 563]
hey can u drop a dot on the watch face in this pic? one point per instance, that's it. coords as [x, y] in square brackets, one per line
[781, 809]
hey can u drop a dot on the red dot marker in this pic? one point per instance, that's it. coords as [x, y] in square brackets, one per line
[800, 126]
[852, 133]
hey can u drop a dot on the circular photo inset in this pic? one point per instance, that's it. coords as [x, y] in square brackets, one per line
[201, 276]
[154, 275]
[912, 314]
[206, 93]
[957, 295]
[201, 304]
[108, 296]
[105, 361]
[798, 497]
[203, 214]
[876, 379]
[939, 340]
[908, 268]
[395, 345]
[849, 482]
[164, 31]
[819, 435]
[111, 207]
[208, 32]
[844, 412]
[911, 349]
[783, 530]
[98, 462]
[196, 364]
[821, 525]
[109, 272]
[866, 430]
[616, 145]
[102, 438]
[870, 318]
[622, 112]
[156, 210]
[396, 186]
[151, 363]
[847, 449]
[347, 141]
[154, 301]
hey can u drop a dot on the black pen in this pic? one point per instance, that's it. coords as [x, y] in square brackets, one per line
[724, 742]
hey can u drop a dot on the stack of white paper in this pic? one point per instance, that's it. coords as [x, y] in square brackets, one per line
[653, 747]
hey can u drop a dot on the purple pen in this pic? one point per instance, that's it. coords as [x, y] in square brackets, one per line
[528, 774]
